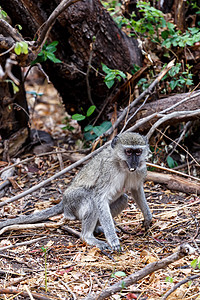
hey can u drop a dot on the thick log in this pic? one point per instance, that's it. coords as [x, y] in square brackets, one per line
[174, 182]
[164, 103]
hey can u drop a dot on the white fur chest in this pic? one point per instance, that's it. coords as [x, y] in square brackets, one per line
[121, 183]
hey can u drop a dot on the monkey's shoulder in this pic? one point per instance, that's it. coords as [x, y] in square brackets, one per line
[95, 170]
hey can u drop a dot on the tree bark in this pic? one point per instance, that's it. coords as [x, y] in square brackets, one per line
[85, 29]
[161, 104]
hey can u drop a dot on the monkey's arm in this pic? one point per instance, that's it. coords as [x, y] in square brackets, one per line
[140, 199]
[36, 217]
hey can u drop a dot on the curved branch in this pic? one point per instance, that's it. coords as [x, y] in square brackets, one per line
[177, 285]
[176, 114]
[46, 27]
[11, 31]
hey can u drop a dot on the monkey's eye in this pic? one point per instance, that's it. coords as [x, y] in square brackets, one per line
[138, 152]
[129, 152]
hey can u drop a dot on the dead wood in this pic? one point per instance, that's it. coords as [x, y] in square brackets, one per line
[23, 243]
[164, 103]
[15, 291]
[177, 285]
[174, 182]
[182, 251]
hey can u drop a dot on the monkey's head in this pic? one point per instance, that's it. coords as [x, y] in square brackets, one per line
[131, 149]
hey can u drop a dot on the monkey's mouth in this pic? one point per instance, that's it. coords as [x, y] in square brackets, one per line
[132, 169]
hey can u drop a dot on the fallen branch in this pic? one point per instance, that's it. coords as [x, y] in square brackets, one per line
[182, 251]
[172, 171]
[144, 120]
[177, 285]
[30, 226]
[174, 182]
[23, 243]
[22, 293]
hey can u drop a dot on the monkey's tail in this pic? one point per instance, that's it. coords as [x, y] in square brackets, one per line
[35, 217]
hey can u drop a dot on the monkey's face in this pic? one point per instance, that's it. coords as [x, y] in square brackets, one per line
[130, 149]
[133, 158]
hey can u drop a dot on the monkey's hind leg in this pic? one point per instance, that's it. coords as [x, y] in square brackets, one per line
[88, 226]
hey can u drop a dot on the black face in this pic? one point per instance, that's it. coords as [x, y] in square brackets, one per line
[133, 158]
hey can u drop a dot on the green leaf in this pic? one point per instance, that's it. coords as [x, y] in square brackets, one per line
[88, 128]
[171, 162]
[99, 130]
[89, 137]
[105, 68]
[120, 274]
[169, 279]
[90, 110]
[78, 117]
[173, 84]
[52, 57]
[17, 48]
[194, 263]
[109, 83]
[24, 46]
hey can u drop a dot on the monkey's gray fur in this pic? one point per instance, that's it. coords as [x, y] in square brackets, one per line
[97, 194]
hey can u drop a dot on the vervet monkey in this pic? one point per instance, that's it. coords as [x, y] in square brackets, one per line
[97, 193]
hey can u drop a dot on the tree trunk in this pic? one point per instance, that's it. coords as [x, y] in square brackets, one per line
[85, 30]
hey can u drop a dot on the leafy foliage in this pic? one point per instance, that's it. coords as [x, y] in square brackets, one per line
[112, 75]
[47, 53]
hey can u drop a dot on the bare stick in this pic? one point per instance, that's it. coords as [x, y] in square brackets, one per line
[147, 119]
[15, 291]
[172, 171]
[23, 243]
[11, 31]
[182, 251]
[31, 226]
[176, 114]
[177, 285]
[188, 153]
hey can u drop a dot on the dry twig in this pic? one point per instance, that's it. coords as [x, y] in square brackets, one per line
[177, 285]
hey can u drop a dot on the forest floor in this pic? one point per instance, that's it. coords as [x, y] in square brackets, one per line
[74, 269]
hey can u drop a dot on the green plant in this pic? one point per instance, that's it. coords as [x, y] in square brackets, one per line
[179, 78]
[81, 117]
[195, 263]
[169, 279]
[118, 274]
[171, 162]
[3, 14]
[14, 86]
[112, 74]
[21, 48]
[92, 132]
[45, 265]
[47, 53]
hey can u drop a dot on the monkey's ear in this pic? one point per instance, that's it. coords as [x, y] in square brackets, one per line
[114, 141]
